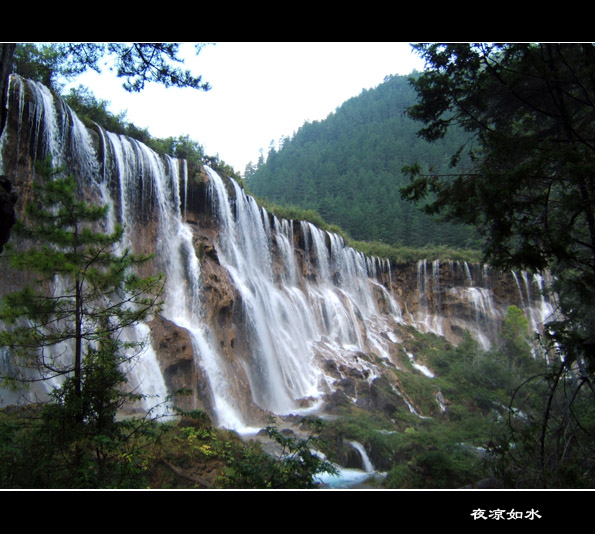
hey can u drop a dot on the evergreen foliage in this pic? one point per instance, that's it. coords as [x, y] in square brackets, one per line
[527, 184]
[348, 169]
[137, 63]
[66, 328]
[38, 62]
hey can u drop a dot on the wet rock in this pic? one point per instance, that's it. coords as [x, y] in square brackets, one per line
[8, 199]
[383, 399]
[176, 359]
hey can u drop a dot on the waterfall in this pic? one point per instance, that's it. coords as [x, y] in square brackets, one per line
[422, 368]
[301, 297]
[468, 273]
[283, 232]
[366, 463]
[139, 169]
[56, 131]
[429, 317]
[280, 372]
[534, 302]
[472, 289]
[350, 477]
[293, 321]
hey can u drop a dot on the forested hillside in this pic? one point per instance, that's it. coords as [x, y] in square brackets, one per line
[348, 168]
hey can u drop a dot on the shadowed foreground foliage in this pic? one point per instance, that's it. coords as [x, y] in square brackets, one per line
[187, 454]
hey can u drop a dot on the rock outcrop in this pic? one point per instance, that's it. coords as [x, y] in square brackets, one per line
[8, 199]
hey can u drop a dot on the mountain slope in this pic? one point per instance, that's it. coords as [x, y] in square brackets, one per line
[348, 168]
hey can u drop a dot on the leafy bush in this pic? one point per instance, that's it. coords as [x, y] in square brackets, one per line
[295, 467]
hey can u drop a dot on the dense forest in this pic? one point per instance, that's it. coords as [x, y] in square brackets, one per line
[348, 169]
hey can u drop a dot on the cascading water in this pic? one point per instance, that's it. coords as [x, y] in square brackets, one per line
[293, 319]
[298, 306]
[350, 477]
[280, 371]
[429, 317]
[140, 169]
[55, 131]
[471, 289]
[366, 463]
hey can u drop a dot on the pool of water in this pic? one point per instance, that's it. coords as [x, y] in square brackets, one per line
[346, 478]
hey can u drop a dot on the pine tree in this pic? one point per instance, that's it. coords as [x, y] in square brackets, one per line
[68, 325]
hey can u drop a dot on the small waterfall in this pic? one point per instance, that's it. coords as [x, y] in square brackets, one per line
[422, 292]
[145, 374]
[531, 311]
[350, 477]
[429, 317]
[441, 401]
[366, 463]
[468, 274]
[436, 277]
[533, 300]
[421, 368]
[283, 231]
[472, 290]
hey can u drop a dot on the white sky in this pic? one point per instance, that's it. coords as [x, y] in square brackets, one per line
[260, 92]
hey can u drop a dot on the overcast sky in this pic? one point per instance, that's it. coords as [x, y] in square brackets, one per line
[260, 92]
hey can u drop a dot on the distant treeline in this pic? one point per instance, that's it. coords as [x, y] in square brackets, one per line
[347, 168]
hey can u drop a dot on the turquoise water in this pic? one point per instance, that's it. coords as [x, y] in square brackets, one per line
[346, 478]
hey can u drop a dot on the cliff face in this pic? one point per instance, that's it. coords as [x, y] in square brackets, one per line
[447, 298]
[261, 315]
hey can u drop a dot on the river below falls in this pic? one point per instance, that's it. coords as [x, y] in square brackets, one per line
[349, 479]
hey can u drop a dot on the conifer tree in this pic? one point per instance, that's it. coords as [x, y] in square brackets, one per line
[67, 326]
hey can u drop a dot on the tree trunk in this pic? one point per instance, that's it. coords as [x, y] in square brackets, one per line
[6, 55]
[7, 197]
